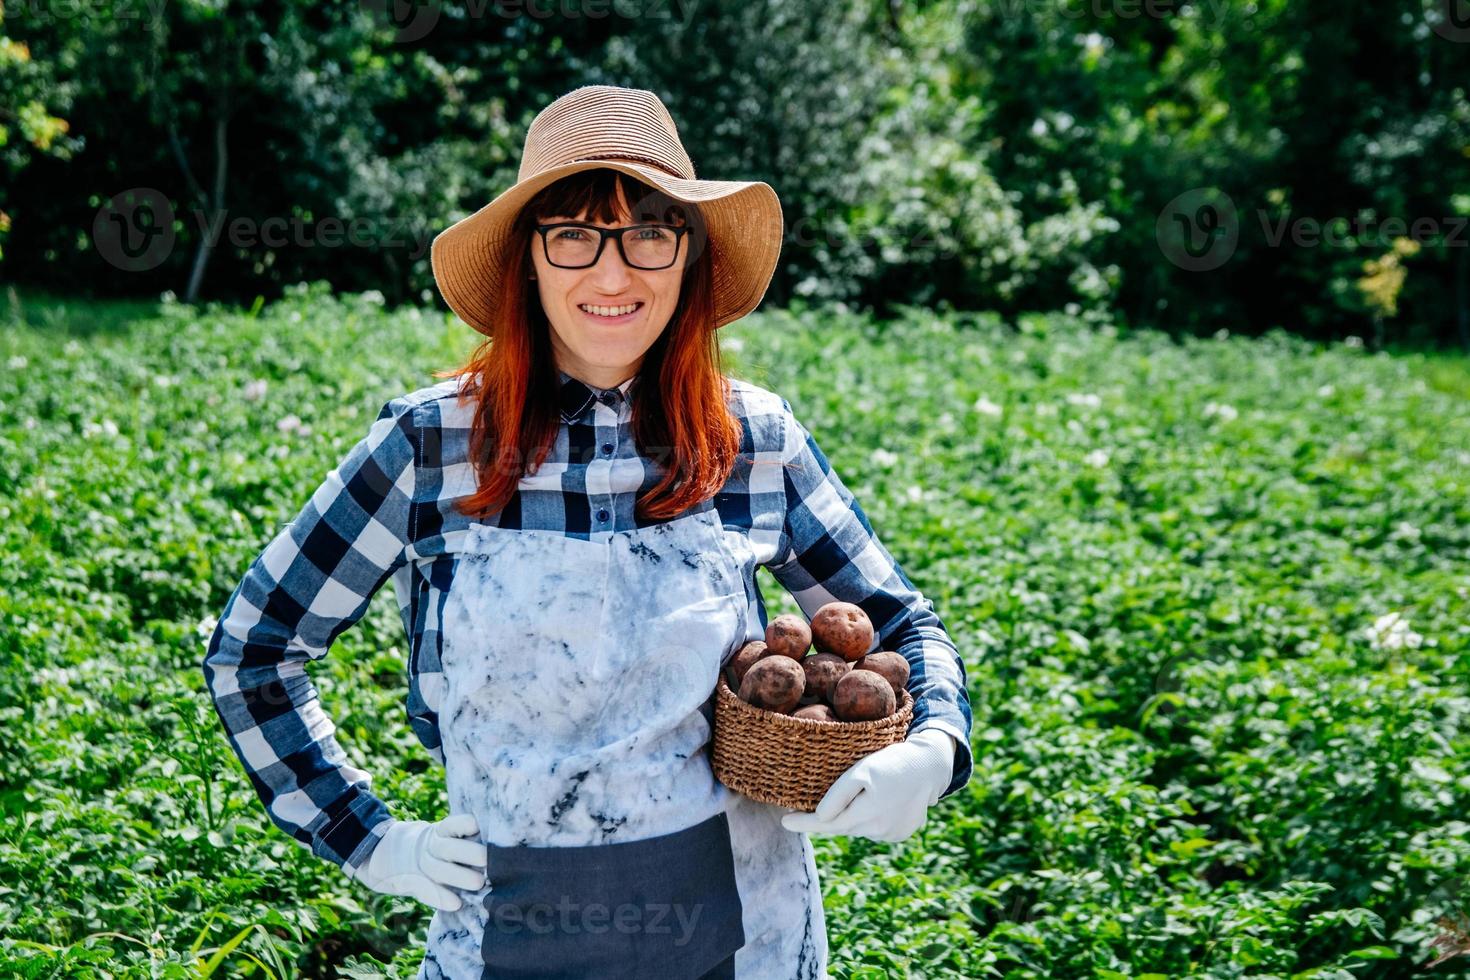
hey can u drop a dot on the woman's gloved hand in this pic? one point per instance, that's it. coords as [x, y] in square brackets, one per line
[419, 859]
[886, 795]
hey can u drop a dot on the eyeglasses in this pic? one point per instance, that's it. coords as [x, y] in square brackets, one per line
[577, 245]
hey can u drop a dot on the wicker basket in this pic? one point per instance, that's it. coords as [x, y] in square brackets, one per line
[792, 762]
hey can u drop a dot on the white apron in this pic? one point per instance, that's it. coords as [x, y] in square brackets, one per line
[575, 713]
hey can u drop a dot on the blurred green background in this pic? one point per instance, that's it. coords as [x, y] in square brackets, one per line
[1301, 165]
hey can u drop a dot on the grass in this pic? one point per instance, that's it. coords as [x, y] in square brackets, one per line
[1160, 559]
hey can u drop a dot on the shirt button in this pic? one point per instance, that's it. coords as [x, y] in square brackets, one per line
[602, 517]
[607, 449]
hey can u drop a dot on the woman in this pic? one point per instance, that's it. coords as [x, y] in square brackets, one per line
[572, 524]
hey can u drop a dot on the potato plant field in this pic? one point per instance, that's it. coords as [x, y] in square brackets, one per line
[1211, 594]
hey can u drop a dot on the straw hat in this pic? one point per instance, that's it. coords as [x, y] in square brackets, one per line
[624, 129]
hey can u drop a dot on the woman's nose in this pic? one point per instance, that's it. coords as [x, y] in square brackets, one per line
[610, 271]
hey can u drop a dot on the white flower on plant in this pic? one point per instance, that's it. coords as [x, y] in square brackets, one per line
[106, 427]
[1226, 412]
[1045, 408]
[372, 296]
[255, 390]
[295, 316]
[985, 406]
[1353, 341]
[292, 423]
[1085, 399]
[162, 380]
[735, 344]
[206, 626]
[1326, 391]
[883, 457]
[1098, 457]
[916, 493]
[17, 362]
[1404, 531]
[1391, 632]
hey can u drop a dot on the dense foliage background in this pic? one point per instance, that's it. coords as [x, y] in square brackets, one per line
[1211, 595]
[1252, 165]
[1139, 327]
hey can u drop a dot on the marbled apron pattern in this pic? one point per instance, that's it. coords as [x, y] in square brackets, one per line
[575, 672]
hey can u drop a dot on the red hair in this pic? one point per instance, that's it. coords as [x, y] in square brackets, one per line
[681, 420]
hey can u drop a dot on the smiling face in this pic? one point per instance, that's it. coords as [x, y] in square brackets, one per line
[600, 350]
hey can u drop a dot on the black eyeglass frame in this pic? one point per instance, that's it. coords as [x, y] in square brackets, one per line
[617, 235]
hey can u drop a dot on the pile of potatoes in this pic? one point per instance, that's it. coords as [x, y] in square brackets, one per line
[839, 682]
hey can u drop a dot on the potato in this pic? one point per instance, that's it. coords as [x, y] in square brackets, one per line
[863, 695]
[742, 661]
[789, 636]
[823, 671]
[842, 628]
[775, 683]
[891, 665]
[816, 712]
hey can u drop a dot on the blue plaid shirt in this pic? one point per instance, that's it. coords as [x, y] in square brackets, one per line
[386, 511]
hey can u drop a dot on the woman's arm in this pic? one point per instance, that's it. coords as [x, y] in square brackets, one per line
[829, 552]
[312, 582]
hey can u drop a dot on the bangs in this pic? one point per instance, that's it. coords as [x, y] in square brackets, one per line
[608, 196]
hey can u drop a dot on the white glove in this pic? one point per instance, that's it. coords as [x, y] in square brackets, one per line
[419, 859]
[886, 795]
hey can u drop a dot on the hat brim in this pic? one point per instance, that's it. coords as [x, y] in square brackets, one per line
[743, 218]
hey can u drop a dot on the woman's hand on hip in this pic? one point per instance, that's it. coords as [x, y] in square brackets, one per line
[885, 795]
[425, 860]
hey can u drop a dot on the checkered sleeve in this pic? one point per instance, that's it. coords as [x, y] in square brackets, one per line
[829, 552]
[313, 581]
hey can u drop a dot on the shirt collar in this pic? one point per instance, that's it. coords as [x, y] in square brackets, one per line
[577, 396]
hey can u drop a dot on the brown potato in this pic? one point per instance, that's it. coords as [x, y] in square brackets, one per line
[816, 712]
[741, 662]
[891, 665]
[789, 636]
[774, 683]
[823, 671]
[842, 628]
[863, 695]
